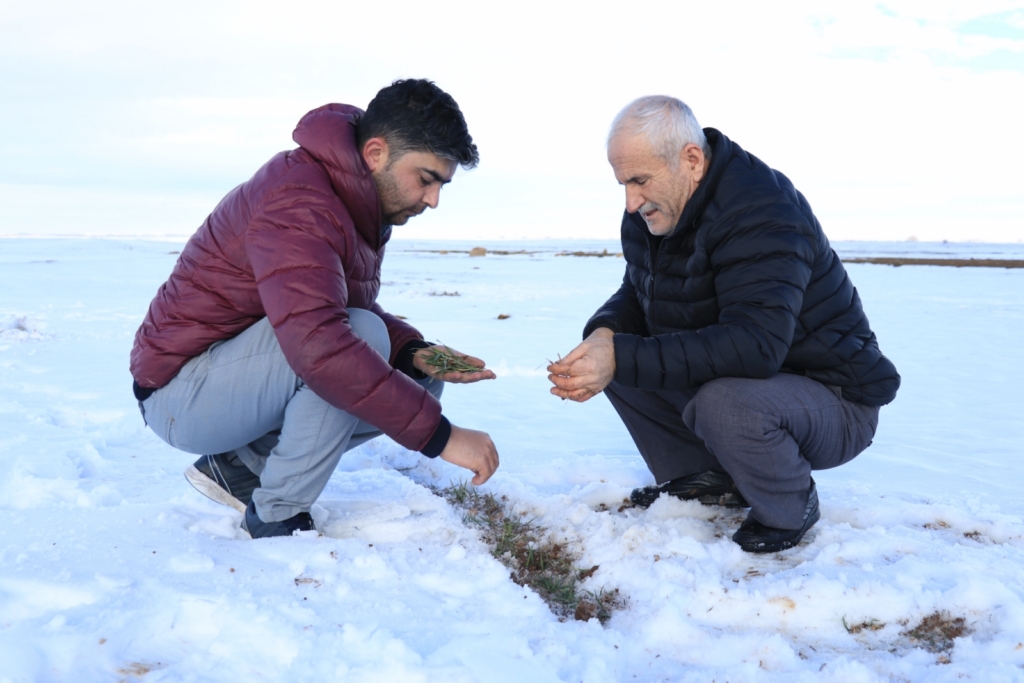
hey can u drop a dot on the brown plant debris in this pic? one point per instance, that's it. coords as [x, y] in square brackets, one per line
[504, 316]
[937, 631]
[534, 560]
[137, 670]
[869, 625]
[499, 252]
[482, 251]
[599, 254]
[951, 262]
[441, 357]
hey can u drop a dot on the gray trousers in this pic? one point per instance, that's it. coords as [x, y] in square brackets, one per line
[241, 396]
[768, 434]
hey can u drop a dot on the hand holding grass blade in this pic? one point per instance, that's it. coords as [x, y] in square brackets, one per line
[447, 364]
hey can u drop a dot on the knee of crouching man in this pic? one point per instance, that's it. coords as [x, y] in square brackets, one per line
[727, 405]
[369, 327]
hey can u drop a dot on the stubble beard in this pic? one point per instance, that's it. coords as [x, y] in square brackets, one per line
[392, 211]
[651, 206]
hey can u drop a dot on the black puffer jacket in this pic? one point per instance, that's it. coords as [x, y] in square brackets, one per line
[747, 286]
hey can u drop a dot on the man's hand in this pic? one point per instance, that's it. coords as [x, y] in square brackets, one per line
[588, 368]
[419, 361]
[473, 450]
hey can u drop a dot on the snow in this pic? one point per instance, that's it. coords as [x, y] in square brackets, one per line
[113, 568]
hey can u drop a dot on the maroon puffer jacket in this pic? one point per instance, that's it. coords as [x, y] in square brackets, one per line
[299, 243]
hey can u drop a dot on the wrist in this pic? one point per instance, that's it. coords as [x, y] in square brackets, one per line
[437, 443]
[405, 360]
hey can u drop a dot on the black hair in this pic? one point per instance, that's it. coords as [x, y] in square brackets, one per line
[414, 115]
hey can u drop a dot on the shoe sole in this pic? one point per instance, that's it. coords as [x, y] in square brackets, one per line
[764, 548]
[211, 489]
[726, 500]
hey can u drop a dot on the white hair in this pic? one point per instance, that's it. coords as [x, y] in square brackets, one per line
[667, 123]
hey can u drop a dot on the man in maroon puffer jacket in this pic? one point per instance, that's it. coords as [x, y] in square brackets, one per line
[266, 346]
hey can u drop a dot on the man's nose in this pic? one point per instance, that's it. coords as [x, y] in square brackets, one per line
[634, 200]
[433, 196]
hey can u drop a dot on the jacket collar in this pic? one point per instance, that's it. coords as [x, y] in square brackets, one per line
[328, 133]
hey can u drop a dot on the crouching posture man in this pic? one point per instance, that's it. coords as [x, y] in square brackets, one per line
[266, 349]
[736, 350]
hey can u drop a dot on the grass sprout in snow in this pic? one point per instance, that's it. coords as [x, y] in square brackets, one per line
[535, 561]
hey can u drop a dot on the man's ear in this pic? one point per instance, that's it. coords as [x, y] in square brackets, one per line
[691, 157]
[375, 154]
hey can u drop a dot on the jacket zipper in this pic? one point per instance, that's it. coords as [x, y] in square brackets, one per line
[654, 281]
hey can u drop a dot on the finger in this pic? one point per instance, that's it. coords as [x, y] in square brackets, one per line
[466, 377]
[577, 395]
[471, 377]
[580, 366]
[571, 383]
[472, 360]
[481, 478]
[563, 366]
[450, 377]
[477, 376]
[559, 368]
[485, 472]
[582, 395]
[560, 393]
[575, 354]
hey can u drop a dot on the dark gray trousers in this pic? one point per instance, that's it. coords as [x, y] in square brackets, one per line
[768, 434]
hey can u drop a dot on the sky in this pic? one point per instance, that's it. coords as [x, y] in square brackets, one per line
[897, 120]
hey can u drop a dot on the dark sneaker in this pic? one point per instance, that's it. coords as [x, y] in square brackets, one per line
[223, 478]
[257, 528]
[755, 537]
[710, 488]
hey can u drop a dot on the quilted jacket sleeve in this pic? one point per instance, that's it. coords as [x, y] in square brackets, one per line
[295, 248]
[761, 271]
[621, 313]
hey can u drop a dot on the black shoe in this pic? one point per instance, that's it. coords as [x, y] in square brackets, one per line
[257, 528]
[223, 478]
[710, 488]
[755, 537]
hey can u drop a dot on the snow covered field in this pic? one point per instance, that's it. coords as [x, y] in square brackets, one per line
[112, 568]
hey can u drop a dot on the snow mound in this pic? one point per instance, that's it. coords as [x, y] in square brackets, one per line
[21, 328]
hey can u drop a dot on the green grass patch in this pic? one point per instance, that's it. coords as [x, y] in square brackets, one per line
[549, 568]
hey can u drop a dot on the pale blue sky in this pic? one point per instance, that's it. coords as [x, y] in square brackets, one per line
[895, 119]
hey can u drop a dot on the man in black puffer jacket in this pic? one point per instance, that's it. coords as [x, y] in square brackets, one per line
[736, 350]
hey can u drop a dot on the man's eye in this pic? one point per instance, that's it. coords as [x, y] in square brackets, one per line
[424, 181]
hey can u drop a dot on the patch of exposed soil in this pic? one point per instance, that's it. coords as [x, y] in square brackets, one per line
[951, 262]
